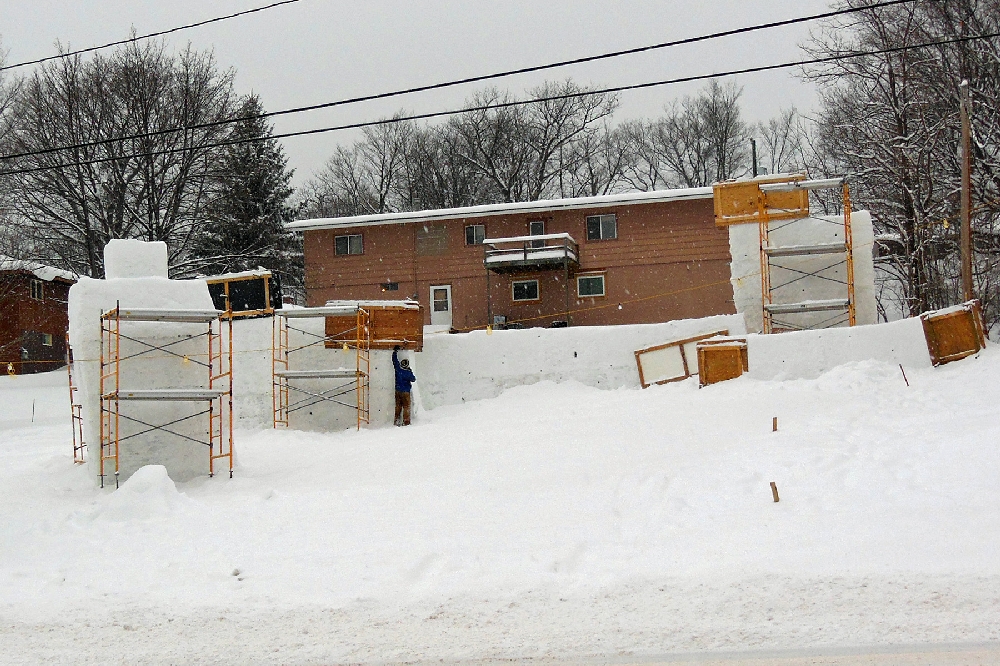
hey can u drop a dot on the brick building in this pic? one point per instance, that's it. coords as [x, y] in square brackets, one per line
[33, 316]
[617, 259]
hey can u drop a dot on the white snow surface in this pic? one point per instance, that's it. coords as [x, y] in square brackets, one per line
[130, 258]
[554, 519]
[40, 271]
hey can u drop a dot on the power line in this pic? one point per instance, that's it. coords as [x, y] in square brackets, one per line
[536, 100]
[149, 36]
[472, 79]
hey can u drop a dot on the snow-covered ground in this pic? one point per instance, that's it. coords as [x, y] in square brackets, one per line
[556, 520]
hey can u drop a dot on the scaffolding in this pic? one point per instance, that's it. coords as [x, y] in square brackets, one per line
[784, 199]
[216, 392]
[75, 407]
[354, 380]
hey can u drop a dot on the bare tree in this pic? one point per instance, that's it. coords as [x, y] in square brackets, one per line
[781, 143]
[891, 120]
[153, 187]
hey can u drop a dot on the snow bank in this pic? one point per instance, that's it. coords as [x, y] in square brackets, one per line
[808, 354]
[744, 246]
[127, 258]
[472, 366]
[148, 493]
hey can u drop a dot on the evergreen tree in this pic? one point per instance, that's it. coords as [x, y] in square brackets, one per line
[245, 225]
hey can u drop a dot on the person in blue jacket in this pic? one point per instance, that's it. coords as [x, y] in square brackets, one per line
[404, 382]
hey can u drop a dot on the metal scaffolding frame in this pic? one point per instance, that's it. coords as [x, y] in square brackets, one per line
[353, 380]
[217, 392]
[76, 409]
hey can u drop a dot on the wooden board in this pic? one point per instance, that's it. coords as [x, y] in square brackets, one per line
[738, 202]
[721, 360]
[670, 362]
[390, 327]
[954, 333]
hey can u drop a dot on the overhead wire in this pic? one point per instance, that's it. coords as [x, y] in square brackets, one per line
[509, 104]
[160, 33]
[471, 79]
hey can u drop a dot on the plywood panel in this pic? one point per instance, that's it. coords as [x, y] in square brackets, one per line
[389, 327]
[954, 333]
[719, 361]
[670, 362]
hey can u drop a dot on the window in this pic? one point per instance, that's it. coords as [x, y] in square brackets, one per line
[590, 285]
[349, 244]
[47, 339]
[390, 286]
[525, 290]
[536, 228]
[602, 227]
[37, 290]
[475, 234]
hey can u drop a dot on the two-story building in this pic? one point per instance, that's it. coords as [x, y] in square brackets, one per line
[618, 259]
[33, 316]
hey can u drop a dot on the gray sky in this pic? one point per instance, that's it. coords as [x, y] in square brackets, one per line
[321, 50]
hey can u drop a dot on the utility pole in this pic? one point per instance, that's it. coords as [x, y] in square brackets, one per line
[966, 193]
[753, 151]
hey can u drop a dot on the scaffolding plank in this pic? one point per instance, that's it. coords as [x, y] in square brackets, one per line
[180, 316]
[807, 306]
[801, 250]
[305, 313]
[334, 373]
[166, 394]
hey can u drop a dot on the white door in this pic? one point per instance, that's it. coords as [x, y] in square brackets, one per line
[441, 305]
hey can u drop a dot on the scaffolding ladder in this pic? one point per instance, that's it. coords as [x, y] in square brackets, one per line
[785, 199]
[75, 407]
[346, 380]
[216, 393]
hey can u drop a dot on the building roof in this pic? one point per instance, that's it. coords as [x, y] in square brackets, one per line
[605, 201]
[41, 271]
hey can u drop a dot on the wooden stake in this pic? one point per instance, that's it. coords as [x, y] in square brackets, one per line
[966, 201]
[774, 490]
[774, 424]
[904, 374]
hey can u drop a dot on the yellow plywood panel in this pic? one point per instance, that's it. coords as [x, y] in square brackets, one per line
[389, 327]
[720, 361]
[739, 202]
[954, 333]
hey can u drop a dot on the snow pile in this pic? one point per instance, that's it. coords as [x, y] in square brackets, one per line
[129, 258]
[148, 493]
[473, 366]
[744, 246]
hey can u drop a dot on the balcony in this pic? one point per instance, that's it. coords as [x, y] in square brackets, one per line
[520, 253]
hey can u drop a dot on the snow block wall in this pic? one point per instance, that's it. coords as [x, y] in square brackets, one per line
[88, 299]
[473, 366]
[126, 258]
[808, 354]
[744, 246]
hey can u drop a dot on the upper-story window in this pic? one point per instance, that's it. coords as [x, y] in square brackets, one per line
[349, 244]
[602, 227]
[475, 234]
[37, 290]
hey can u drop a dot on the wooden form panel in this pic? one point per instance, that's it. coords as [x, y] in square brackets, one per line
[390, 327]
[670, 362]
[739, 202]
[954, 333]
[719, 360]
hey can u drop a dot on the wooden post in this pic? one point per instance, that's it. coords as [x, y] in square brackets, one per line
[774, 424]
[774, 491]
[966, 193]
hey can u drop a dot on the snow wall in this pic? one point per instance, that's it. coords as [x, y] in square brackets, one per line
[744, 246]
[808, 354]
[473, 366]
[88, 299]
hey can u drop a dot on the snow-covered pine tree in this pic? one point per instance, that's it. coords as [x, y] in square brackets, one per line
[245, 223]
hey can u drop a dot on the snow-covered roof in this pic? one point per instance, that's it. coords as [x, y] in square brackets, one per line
[606, 201]
[41, 271]
[256, 272]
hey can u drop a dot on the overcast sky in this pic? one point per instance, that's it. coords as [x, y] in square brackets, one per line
[321, 50]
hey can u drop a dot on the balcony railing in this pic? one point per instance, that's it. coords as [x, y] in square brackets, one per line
[505, 255]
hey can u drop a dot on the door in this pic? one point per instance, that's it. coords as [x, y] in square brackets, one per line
[536, 228]
[441, 305]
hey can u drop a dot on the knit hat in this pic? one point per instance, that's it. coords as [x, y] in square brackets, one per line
[404, 363]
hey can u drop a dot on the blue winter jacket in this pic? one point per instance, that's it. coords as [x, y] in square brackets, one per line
[404, 376]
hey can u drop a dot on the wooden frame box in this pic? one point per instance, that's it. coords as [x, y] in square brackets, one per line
[954, 333]
[719, 360]
[670, 362]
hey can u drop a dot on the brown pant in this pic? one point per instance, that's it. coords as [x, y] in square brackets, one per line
[402, 406]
